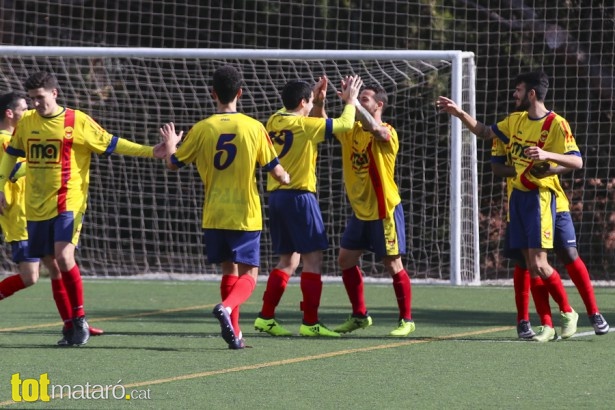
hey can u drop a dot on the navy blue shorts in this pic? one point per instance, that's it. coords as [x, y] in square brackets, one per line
[384, 237]
[295, 222]
[42, 235]
[20, 252]
[222, 245]
[565, 236]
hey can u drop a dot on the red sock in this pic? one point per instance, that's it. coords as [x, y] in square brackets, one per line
[540, 294]
[403, 292]
[311, 289]
[557, 291]
[353, 282]
[74, 289]
[276, 285]
[242, 290]
[62, 302]
[580, 277]
[521, 283]
[11, 285]
[228, 281]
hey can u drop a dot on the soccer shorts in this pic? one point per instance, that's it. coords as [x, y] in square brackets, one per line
[223, 245]
[565, 236]
[295, 222]
[532, 219]
[42, 235]
[20, 252]
[384, 237]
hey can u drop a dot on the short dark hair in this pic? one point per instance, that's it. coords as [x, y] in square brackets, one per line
[226, 82]
[293, 92]
[42, 79]
[9, 101]
[535, 80]
[380, 94]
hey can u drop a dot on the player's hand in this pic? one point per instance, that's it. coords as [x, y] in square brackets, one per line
[541, 169]
[170, 139]
[446, 105]
[351, 87]
[536, 153]
[3, 203]
[320, 90]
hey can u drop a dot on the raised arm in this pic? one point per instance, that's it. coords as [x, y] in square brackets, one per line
[320, 96]
[477, 128]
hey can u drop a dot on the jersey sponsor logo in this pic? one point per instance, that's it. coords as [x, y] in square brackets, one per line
[547, 234]
[360, 162]
[45, 152]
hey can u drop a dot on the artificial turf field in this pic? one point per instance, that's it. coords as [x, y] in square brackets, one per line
[162, 346]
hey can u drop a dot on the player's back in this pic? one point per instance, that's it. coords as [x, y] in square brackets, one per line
[226, 149]
[295, 139]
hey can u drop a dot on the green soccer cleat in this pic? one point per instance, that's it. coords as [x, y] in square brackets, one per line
[318, 330]
[569, 323]
[354, 323]
[270, 326]
[545, 334]
[404, 329]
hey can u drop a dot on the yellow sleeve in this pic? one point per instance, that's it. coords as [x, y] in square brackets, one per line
[345, 122]
[6, 168]
[18, 171]
[132, 149]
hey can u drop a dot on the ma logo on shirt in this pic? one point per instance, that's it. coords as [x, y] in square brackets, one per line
[47, 152]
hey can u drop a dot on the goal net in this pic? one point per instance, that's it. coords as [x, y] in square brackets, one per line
[143, 219]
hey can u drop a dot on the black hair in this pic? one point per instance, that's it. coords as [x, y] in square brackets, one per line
[293, 92]
[226, 82]
[42, 79]
[535, 80]
[380, 95]
[9, 101]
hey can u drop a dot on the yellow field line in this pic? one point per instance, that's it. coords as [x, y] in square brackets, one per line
[301, 359]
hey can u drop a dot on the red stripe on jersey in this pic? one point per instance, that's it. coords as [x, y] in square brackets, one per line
[374, 175]
[67, 145]
[544, 133]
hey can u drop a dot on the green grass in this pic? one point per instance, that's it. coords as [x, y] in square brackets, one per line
[162, 340]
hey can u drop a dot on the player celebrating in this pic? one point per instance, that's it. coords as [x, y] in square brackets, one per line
[296, 226]
[565, 245]
[369, 153]
[226, 148]
[532, 135]
[57, 143]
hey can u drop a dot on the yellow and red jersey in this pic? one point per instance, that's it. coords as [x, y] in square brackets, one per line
[369, 172]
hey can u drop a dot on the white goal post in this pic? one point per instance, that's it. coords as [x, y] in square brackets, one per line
[142, 219]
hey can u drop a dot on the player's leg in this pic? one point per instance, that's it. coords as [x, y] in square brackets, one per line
[521, 287]
[525, 208]
[282, 216]
[311, 290]
[352, 244]
[276, 285]
[566, 249]
[27, 268]
[306, 229]
[238, 252]
[67, 228]
[388, 241]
